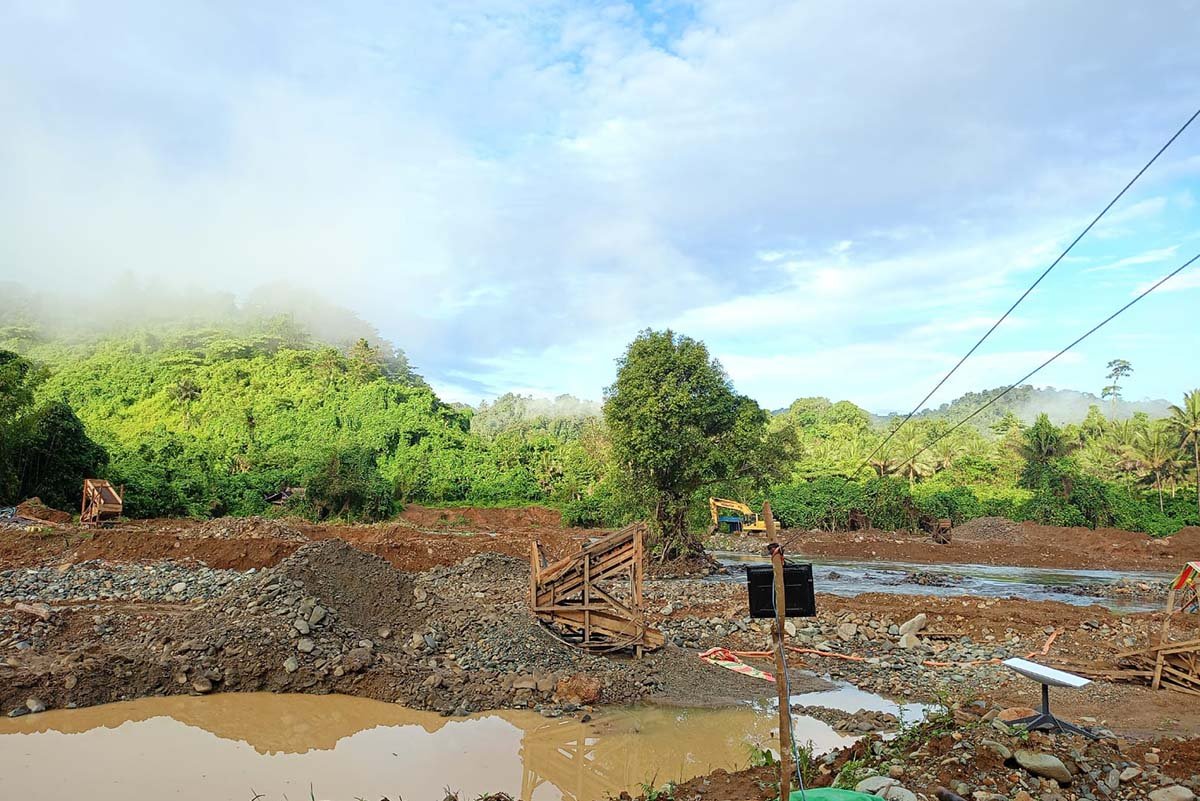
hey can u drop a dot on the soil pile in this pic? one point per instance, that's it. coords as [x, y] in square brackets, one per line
[245, 528]
[999, 529]
[34, 509]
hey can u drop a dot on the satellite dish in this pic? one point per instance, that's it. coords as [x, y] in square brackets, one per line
[1046, 675]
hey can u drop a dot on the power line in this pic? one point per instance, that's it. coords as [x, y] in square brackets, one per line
[1037, 369]
[1024, 295]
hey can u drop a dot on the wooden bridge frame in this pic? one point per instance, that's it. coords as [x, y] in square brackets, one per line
[568, 597]
[101, 501]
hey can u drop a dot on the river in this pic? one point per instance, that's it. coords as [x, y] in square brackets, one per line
[851, 578]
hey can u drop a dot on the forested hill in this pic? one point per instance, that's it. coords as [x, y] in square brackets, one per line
[1027, 402]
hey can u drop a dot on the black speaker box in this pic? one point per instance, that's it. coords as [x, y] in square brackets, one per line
[799, 597]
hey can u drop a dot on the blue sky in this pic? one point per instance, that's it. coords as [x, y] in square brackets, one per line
[837, 198]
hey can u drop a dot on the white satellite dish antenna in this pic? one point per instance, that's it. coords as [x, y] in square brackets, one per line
[1048, 677]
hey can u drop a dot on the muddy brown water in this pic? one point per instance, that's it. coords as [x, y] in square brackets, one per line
[239, 746]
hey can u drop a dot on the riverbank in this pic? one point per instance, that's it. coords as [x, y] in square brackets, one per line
[432, 613]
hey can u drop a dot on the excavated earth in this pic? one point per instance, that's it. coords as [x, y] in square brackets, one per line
[430, 610]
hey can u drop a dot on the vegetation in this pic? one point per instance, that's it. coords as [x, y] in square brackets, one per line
[208, 420]
[677, 426]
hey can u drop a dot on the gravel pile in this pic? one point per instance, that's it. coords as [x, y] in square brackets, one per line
[96, 580]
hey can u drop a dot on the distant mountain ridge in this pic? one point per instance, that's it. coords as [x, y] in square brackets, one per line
[1027, 402]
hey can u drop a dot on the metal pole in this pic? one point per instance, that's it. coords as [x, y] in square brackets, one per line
[785, 710]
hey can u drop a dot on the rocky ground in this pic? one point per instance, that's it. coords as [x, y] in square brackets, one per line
[969, 751]
[431, 611]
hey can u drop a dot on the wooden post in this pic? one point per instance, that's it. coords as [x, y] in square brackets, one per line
[785, 709]
[1162, 641]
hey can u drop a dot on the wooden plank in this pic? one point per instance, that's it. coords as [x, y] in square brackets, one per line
[1162, 640]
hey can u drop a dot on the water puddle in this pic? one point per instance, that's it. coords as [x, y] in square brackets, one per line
[849, 578]
[238, 745]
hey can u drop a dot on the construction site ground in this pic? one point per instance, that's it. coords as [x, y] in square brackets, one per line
[440, 620]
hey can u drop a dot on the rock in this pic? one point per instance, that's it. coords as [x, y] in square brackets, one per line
[789, 628]
[1022, 796]
[1150, 758]
[16, 713]
[357, 660]
[1015, 713]
[875, 785]
[909, 641]
[914, 625]
[305, 646]
[35, 705]
[525, 683]
[1129, 774]
[1000, 749]
[1176, 792]
[291, 664]
[301, 625]
[667, 610]
[70, 681]
[317, 615]
[179, 587]
[580, 689]
[1042, 764]
[417, 639]
[202, 685]
[384, 632]
[40, 611]
[898, 793]
[846, 631]
[896, 771]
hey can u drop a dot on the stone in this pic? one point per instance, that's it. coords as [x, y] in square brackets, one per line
[579, 688]
[202, 685]
[301, 625]
[789, 628]
[417, 639]
[1129, 774]
[40, 611]
[384, 632]
[70, 682]
[909, 641]
[667, 610]
[317, 615]
[357, 660]
[1012, 713]
[16, 713]
[525, 683]
[914, 625]
[35, 705]
[898, 793]
[846, 631]
[1150, 758]
[876, 785]
[1175, 792]
[1022, 796]
[179, 587]
[1000, 749]
[1042, 764]
[896, 771]
[305, 646]
[291, 664]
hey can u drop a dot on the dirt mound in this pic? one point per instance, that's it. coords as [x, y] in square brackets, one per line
[34, 509]
[483, 518]
[363, 588]
[1184, 543]
[989, 528]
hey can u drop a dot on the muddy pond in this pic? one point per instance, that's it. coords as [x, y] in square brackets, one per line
[269, 747]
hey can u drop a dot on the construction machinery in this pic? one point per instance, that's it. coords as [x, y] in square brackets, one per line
[744, 519]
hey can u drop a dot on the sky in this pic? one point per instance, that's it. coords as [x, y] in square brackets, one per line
[838, 198]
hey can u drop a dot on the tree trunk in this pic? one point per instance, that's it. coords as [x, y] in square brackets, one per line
[1196, 454]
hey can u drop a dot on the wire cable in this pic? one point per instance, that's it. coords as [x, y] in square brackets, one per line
[1038, 369]
[1024, 295]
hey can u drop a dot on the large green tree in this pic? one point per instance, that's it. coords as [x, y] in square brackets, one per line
[1185, 421]
[678, 426]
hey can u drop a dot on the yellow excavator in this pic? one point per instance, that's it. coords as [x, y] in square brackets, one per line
[746, 518]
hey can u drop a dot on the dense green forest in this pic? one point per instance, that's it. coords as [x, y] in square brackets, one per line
[208, 420]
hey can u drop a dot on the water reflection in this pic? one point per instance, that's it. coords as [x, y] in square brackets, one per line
[235, 745]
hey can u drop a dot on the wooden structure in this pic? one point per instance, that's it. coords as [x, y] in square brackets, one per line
[101, 501]
[576, 597]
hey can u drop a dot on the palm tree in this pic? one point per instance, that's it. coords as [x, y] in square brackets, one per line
[1185, 422]
[1157, 458]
